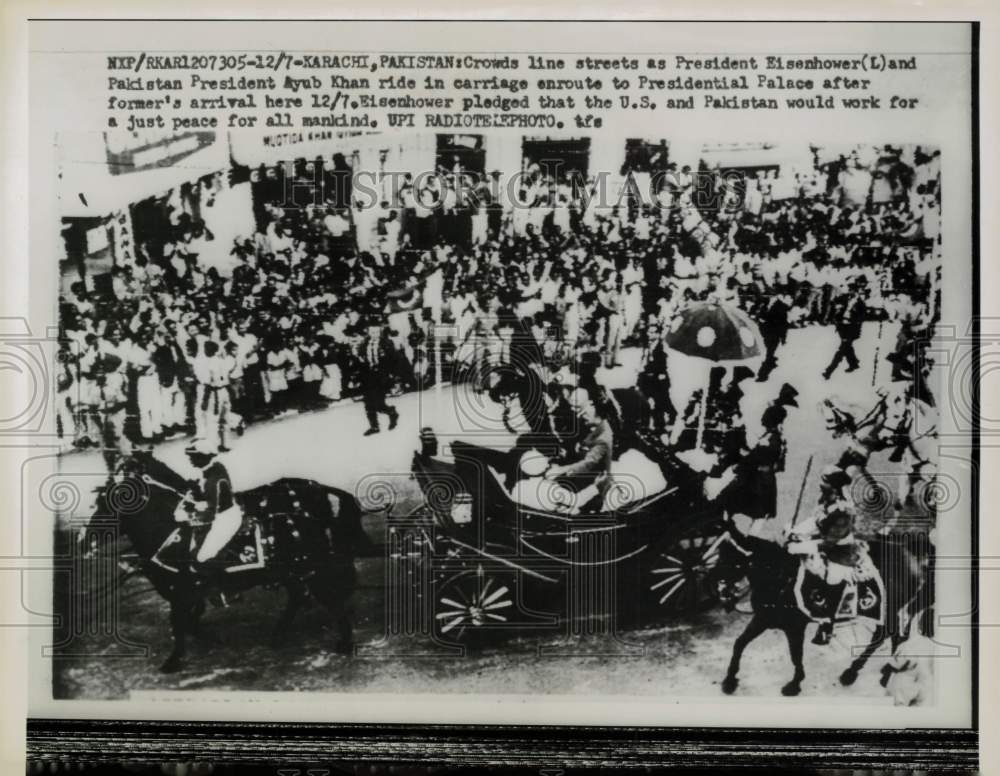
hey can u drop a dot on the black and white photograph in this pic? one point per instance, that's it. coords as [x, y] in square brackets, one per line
[513, 374]
[671, 429]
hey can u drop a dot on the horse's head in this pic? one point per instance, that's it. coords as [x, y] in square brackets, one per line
[134, 505]
[838, 419]
[867, 427]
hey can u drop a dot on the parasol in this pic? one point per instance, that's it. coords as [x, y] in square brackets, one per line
[713, 331]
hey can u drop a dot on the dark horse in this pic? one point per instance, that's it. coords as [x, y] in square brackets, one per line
[297, 534]
[772, 572]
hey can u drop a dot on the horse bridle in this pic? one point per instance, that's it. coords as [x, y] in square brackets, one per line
[870, 416]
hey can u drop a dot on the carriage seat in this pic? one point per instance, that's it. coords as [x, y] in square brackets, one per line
[636, 482]
[637, 474]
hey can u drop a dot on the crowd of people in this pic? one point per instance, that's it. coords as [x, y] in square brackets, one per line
[446, 282]
[526, 301]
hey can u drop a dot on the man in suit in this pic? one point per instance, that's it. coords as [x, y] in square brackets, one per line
[375, 371]
[849, 316]
[774, 331]
[594, 464]
[654, 382]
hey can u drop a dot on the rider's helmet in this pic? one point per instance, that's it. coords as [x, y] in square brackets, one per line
[837, 523]
[773, 416]
[787, 396]
[200, 452]
[834, 479]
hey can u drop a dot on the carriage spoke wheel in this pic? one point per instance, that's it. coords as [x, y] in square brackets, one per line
[680, 575]
[470, 602]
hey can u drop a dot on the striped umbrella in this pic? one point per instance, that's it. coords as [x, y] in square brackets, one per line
[715, 332]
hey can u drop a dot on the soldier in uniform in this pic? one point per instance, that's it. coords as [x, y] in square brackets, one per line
[760, 468]
[909, 359]
[686, 433]
[654, 382]
[212, 502]
[749, 488]
[831, 554]
[849, 315]
[730, 408]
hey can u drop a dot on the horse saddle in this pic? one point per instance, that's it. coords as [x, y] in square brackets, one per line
[861, 594]
[247, 549]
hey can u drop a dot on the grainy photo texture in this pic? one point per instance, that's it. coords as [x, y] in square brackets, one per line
[624, 380]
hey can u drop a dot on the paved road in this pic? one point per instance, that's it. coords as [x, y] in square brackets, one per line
[683, 657]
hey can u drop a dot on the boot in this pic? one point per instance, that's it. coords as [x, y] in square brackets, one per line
[200, 573]
[823, 634]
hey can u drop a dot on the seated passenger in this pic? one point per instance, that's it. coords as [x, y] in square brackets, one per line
[594, 467]
[534, 490]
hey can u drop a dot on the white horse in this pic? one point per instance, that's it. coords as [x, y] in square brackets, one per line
[899, 422]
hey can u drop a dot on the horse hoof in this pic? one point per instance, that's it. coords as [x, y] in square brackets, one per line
[171, 665]
[886, 673]
[790, 689]
[848, 677]
[729, 685]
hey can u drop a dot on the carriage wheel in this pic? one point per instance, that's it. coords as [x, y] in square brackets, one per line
[471, 604]
[410, 551]
[679, 576]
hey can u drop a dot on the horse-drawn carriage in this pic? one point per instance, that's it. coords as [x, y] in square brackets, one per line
[491, 564]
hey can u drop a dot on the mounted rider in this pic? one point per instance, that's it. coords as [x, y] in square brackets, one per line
[830, 551]
[211, 502]
[748, 491]
[864, 430]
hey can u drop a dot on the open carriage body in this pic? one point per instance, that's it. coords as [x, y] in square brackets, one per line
[489, 565]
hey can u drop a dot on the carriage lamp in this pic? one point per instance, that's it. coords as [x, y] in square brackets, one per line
[461, 509]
